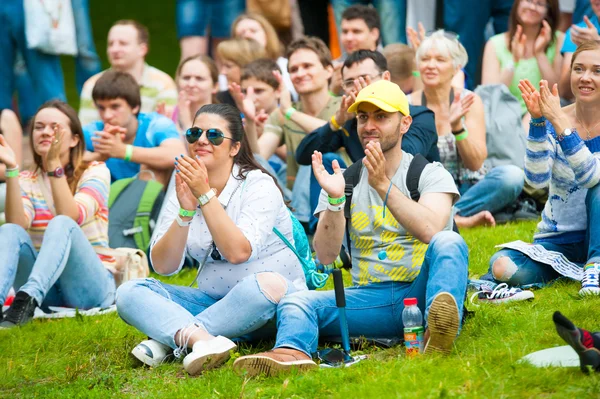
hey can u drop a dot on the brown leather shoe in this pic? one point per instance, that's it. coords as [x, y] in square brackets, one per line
[273, 362]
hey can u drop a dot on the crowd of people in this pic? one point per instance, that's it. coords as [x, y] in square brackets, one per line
[250, 148]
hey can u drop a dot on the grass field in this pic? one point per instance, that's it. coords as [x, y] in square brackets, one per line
[88, 357]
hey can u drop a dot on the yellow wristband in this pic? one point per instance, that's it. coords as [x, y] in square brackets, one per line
[334, 123]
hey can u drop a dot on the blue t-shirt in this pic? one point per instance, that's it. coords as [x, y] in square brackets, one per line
[568, 45]
[153, 129]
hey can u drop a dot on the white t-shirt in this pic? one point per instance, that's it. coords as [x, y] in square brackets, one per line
[256, 206]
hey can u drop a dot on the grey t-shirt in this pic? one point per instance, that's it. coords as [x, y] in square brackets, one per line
[371, 234]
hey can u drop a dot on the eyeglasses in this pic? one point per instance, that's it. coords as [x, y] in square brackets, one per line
[537, 4]
[349, 84]
[215, 136]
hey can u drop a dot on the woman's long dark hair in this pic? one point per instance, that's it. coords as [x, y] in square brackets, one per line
[74, 170]
[244, 158]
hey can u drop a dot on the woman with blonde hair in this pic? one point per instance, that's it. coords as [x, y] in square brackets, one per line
[460, 124]
[57, 215]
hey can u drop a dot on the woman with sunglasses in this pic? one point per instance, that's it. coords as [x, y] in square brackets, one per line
[57, 215]
[529, 50]
[223, 214]
[460, 123]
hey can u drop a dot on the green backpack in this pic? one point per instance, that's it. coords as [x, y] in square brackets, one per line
[134, 206]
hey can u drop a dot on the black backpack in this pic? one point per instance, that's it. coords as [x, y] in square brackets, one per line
[352, 177]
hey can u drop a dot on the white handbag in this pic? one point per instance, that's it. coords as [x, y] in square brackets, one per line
[50, 26]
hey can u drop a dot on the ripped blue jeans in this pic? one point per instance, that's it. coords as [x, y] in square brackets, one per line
[160, 310]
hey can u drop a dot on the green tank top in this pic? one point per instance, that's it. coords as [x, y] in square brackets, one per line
[525, 69]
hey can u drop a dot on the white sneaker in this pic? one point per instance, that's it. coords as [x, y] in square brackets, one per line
[207, 355]
[590, 285]
[502, 293]
[152, 353]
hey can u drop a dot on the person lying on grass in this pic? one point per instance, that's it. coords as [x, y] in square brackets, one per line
[222, 213]
[562, 153]
[56, 215]
[400, 248]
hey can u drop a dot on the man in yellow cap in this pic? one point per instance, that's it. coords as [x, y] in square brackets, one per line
[400, 248]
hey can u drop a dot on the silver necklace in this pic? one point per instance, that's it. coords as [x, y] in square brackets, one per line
[589, 136]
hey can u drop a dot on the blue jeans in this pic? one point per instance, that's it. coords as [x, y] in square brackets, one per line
[195, 16]
[529, 272]
[159, 310]
[391, 12]
[44, 69]
[315, 188]
[375, 310]
[66, 271]
[499, 188]
[469, 18]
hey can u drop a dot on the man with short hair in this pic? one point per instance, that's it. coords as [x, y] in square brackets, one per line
[342, 129]
[400, 248]
[128, 44]
[310, 69]
[127, 140]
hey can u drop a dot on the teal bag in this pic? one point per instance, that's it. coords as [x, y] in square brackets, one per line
[301, 249]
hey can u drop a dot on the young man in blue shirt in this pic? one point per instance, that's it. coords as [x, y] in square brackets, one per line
[129, 141]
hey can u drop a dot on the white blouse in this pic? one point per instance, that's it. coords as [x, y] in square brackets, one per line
[256, 206]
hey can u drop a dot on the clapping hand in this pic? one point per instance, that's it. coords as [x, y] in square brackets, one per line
[531, 97]
[184, 194]
[544, 37]
[415, 38]
[550, 106]
[193, 173]
[333, 184]
[459, 108]
[7, 155]
[580, 35]
[109, 142]
[342, 115]
[51, 159]
[374, 161]
[517, 44]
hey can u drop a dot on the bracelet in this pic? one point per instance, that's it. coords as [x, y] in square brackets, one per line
[128, 152]
[182, 223]
[462, 136]
[185, 213]
[289, 112]
[538, 122]
[14, 172]
[457, 132]
[336, 201]
[336, 208]
[334, 123]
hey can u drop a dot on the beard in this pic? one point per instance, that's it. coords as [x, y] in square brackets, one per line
[388, 140]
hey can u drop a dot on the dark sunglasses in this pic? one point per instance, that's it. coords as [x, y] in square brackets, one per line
[215, 136]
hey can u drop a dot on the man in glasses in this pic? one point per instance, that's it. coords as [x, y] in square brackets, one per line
[127, 140]
[400, 247]
[341, 131]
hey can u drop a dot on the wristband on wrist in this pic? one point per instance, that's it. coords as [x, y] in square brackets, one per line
[289, 112]
[336, 208]
[334, 123]
[128, 153]
[182, 223]
[14, 172]
[541, 121]
[185, 213]
[461, 136]
[336, 201]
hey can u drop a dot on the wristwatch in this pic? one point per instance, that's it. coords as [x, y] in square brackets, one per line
[58, 172]
[565, 133]
[204, 198]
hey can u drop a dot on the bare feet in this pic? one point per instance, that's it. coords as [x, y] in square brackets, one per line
[483, 218]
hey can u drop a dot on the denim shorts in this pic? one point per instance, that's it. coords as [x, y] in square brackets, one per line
[195, 16]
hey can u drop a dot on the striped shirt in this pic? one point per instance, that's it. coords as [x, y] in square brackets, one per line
[569, 167]
[155, 87]
[91, 197]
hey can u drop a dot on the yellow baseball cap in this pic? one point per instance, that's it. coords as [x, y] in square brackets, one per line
[383, 94]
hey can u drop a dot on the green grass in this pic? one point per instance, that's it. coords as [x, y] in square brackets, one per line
[88, 356]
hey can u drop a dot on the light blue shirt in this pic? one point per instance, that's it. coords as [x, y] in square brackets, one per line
[568, 45]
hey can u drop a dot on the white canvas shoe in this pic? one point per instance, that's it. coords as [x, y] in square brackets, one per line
[207, 355]
[152, 353]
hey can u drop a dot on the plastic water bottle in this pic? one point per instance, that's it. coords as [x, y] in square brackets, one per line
[413, 327]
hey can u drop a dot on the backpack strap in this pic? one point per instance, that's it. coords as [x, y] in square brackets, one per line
[418, 163]
[352, 177]
[116, 189]
[142, 217]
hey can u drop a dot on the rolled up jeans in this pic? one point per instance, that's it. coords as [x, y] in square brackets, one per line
[66, 271]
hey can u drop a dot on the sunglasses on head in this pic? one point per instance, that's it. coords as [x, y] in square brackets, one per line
[214, 136]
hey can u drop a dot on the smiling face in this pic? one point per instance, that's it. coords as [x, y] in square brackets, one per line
[214, 156]
[436, 68]
[377, 125]
[251, 29]
[307, 73]
[124, 49]
[532, 12]
[196, 81]
[44, 125]
[585, 76]
[356, 35]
